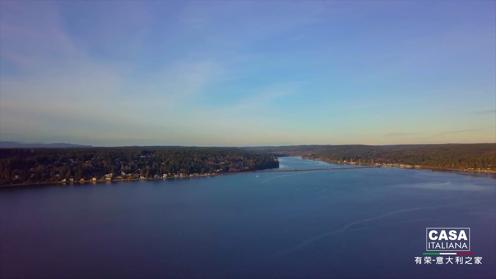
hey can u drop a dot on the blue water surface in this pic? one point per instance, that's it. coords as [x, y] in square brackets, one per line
[338, 223]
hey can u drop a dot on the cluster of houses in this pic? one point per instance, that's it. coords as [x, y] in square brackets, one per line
[408, 166]
[379, 165]
[109, 177]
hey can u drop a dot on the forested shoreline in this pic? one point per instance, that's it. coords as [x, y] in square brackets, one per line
[91, 165]
[472, 158]
[27, 166]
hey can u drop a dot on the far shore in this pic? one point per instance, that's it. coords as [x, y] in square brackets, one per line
[489, 172]
[94, 181]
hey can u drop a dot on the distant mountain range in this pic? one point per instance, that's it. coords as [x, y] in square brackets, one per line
[15, 144]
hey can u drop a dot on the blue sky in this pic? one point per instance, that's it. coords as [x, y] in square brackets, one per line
[248, 72]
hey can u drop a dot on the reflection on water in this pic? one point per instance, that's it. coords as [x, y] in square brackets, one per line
[355, 223]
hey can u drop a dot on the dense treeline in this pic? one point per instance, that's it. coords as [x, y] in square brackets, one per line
[466, 157]
[80, 165]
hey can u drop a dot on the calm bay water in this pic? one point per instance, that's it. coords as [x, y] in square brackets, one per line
[343, 223]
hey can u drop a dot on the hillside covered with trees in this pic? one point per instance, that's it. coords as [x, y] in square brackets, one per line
[82, 165]
[21, 166]
[462, 157]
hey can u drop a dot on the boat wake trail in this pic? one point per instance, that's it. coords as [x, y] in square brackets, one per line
[349, 226]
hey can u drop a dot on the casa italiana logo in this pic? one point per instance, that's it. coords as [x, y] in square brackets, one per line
[448, 245]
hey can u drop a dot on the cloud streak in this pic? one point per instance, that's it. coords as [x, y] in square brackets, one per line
[242, 73]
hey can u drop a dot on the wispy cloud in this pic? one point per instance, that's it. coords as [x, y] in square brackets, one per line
[486, 111]
[242, 73]
[400, 134]
[454, 132]
[65, 92]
